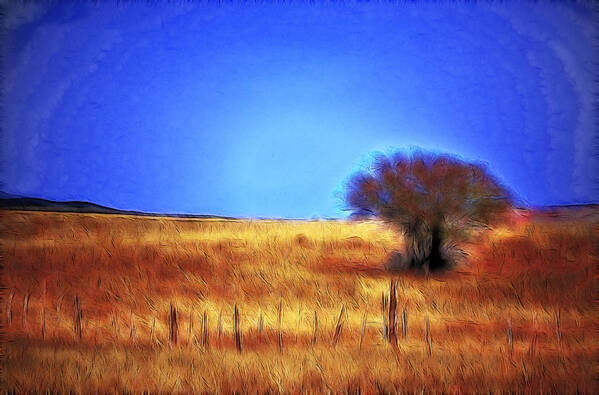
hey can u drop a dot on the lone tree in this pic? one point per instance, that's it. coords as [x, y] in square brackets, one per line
[433, 199]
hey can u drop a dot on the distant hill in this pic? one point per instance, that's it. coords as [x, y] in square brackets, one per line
[577, 212]
[572, 212]
[586, 212]
[15, 202]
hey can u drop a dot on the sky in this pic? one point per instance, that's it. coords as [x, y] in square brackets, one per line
[265, 109]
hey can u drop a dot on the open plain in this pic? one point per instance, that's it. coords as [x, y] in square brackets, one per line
[115, 303]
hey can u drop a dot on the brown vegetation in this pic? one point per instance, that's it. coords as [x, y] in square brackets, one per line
[87, 307]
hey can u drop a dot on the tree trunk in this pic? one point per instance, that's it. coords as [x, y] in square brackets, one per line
[423, 249]
[435, 259]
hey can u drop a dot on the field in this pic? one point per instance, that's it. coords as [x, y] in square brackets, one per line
[89, 305]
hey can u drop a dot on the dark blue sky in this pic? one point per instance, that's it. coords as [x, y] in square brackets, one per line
[265, 109]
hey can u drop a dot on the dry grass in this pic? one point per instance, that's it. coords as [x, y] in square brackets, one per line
[127, 271]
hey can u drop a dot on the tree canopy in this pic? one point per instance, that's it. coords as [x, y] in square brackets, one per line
[432, 198]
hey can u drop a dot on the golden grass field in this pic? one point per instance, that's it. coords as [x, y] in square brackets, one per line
[534, 278]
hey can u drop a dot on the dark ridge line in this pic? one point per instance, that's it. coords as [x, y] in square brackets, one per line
[77, 206]
[82, 207]
[22, 203]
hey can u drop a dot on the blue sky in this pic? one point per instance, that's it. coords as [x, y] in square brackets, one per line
[265, 109]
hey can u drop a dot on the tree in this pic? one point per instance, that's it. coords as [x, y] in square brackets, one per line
[433, 199]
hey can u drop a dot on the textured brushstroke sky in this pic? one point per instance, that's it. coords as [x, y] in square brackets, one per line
[265, 109]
